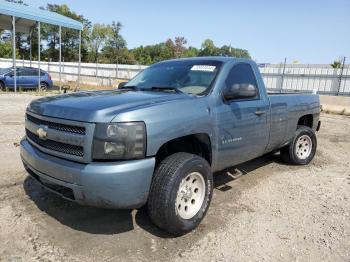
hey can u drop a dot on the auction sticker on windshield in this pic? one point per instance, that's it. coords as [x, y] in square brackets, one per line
[206, 68]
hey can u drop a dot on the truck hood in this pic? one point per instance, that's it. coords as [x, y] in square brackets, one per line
[99, 106]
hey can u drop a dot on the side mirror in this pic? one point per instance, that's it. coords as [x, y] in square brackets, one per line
[237, 91]
[122, 84]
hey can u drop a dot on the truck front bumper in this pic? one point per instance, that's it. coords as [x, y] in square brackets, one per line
[121, 185]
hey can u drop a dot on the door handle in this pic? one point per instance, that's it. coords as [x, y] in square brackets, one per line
[259, 112]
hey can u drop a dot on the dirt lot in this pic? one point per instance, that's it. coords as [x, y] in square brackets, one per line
[263, 210]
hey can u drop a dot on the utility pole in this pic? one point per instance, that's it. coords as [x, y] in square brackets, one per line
[14, 52]
[341, 74]
[282, 77]
[117, 68]
[60, 56]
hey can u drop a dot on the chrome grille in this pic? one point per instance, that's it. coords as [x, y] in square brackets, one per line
[63, 138]
[56, 146]
[57, 126]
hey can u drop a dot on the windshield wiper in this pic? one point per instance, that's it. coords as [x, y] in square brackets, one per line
[126, 88]
[162, 88]
[153, 88]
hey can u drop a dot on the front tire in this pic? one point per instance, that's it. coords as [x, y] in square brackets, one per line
[302, 149]
[180, 193]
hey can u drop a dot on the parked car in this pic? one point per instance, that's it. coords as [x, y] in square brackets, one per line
[160, 137]
[26, 78]
[5, 36]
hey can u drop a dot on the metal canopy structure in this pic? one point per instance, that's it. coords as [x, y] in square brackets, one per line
[23, 19]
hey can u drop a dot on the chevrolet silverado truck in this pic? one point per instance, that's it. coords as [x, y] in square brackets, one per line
[156, 140]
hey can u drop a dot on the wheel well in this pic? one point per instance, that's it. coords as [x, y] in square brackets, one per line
[306, 120]
[198, 144]
[2, 82]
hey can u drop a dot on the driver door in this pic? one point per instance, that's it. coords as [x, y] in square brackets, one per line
[242, 123]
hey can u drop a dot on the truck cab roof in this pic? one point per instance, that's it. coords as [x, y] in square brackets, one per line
[223, 59]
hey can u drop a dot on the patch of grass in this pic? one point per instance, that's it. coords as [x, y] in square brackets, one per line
[55, 90]
[31, 92]
[73, 84]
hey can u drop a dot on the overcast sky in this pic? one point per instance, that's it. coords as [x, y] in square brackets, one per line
[313, 31]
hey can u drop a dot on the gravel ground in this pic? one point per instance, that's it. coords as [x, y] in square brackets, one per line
[261, 210]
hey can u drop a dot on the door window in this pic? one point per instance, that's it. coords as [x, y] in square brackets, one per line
[22, 72]
[33, 72]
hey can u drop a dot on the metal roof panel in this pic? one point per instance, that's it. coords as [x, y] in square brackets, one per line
[37, 14]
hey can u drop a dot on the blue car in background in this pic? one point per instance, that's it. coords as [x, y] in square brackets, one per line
[26, 78]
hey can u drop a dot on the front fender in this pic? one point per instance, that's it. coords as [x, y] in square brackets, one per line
[165, 122]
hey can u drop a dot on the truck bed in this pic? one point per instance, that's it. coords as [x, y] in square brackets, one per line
[291, 92]
[285, 110]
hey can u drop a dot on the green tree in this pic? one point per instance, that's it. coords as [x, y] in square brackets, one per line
[166, 50]
[116, 40]
[115, 50]
[336, 64]
[191, 52]
[22, 45]
[98, 39]
[5, 49]
[179, 47]
[226, 50]
[70, 37]
[208, 48]
[142, 55]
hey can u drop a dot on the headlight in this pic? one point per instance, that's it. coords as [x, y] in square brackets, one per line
[120, 141]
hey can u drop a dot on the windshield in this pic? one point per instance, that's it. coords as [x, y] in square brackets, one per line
[187, 76]
[5, 70]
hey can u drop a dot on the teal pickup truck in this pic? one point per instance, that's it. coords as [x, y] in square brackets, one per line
[158, 139]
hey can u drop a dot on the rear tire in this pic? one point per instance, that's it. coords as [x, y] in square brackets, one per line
[302, 149]
[43, 86]
[180, 193]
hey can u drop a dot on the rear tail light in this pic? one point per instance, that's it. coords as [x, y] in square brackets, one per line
[49, 76]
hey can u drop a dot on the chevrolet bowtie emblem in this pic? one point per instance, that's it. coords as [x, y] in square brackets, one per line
[42, 133]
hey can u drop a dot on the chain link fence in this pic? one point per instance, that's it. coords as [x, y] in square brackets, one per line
[91, 73]
[307, 78]
[278, 78]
